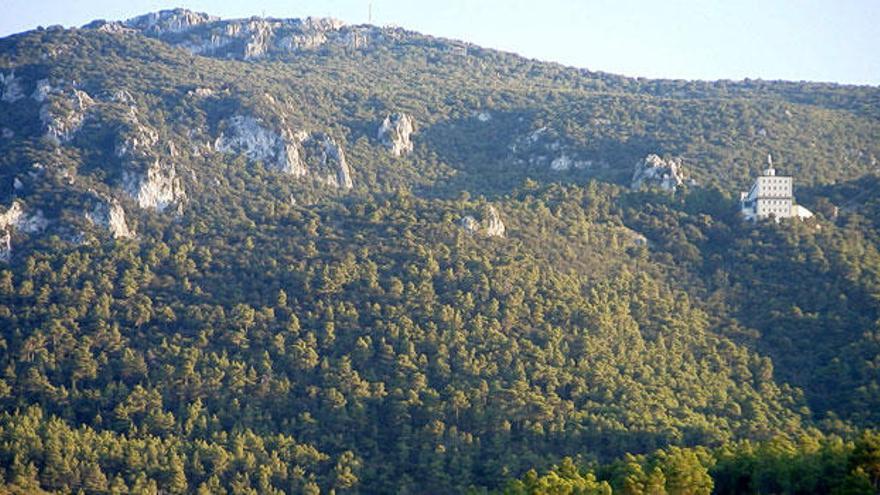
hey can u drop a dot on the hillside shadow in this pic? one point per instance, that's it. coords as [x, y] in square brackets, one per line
[495, 157]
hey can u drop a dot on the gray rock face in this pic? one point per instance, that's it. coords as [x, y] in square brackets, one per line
[490, 225]
[109, 214]
[15, 219]
[168, 21]
[299, 154]
[11, 88]
[108, 27]
[654, 171]
[544, 147]
[327, 162]
[564, 162]
[483, 116]
[149, 178]
[156, 188]
[249, 136]
[246, 39]
[395, 133]
[63, 110]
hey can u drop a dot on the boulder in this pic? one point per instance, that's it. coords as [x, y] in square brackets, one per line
[395, 133]
[490, 225]
[654, 171]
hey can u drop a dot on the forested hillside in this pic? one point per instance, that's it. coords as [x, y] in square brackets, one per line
[294, 256]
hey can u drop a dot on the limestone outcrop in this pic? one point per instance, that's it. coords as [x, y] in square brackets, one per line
[108, 214]
[249, 136]
[157, 187]
[10, 87]
[331, 166]
[63, 109]
[246, 39]
[16, 220]
[148, 177]
[169, 21]
[490, 224]
[299, 154]
[544, 147]
[564, 162]
[654, 171]
[396, 132]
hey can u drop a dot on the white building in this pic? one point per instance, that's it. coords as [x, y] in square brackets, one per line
[771, 196]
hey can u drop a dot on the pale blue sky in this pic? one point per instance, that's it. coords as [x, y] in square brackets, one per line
[815, 40]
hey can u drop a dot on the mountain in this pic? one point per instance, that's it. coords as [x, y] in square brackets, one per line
[294, 255]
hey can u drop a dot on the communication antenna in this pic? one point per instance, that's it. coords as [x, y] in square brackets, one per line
[370, 13]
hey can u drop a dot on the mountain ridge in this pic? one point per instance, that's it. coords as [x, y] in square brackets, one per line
[531, 262]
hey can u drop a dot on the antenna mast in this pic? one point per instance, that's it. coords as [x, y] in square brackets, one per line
[370, 13]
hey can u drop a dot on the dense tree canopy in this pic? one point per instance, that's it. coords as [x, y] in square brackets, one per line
[278, 336]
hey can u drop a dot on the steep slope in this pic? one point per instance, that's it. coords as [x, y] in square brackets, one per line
[298, 255]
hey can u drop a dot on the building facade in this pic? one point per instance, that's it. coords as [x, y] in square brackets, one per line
[771, 196]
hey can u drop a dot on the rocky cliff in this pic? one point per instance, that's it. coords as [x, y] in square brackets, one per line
[489, 225]
[149, 175]
[246, 39]
[252, 138]
[108, 214]
[300, 153]
[654, 171]
[16, 220]
[63, 109]
[395, 133]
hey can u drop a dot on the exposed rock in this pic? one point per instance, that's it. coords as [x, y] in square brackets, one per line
[17, 185]
[326, 161]
[257, 44]
[121, 96]
[490, 225]
[169, 21]
[201, 92]
[470, 224]
[484, 116]
[158, 187]
[278, 151]
[109, 214]
[246, 39]
[546, 148]
[13, 220]
[147, 177]
[298, 154]
[41, 92]
[12, 91]
[564, 162]
[396, 131]
[7, 133]
[654, 171]
[632, 237]
[493, 226]
[63, 110]
[108, 27]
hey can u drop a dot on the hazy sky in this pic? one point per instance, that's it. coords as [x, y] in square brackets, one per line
[816, 40]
